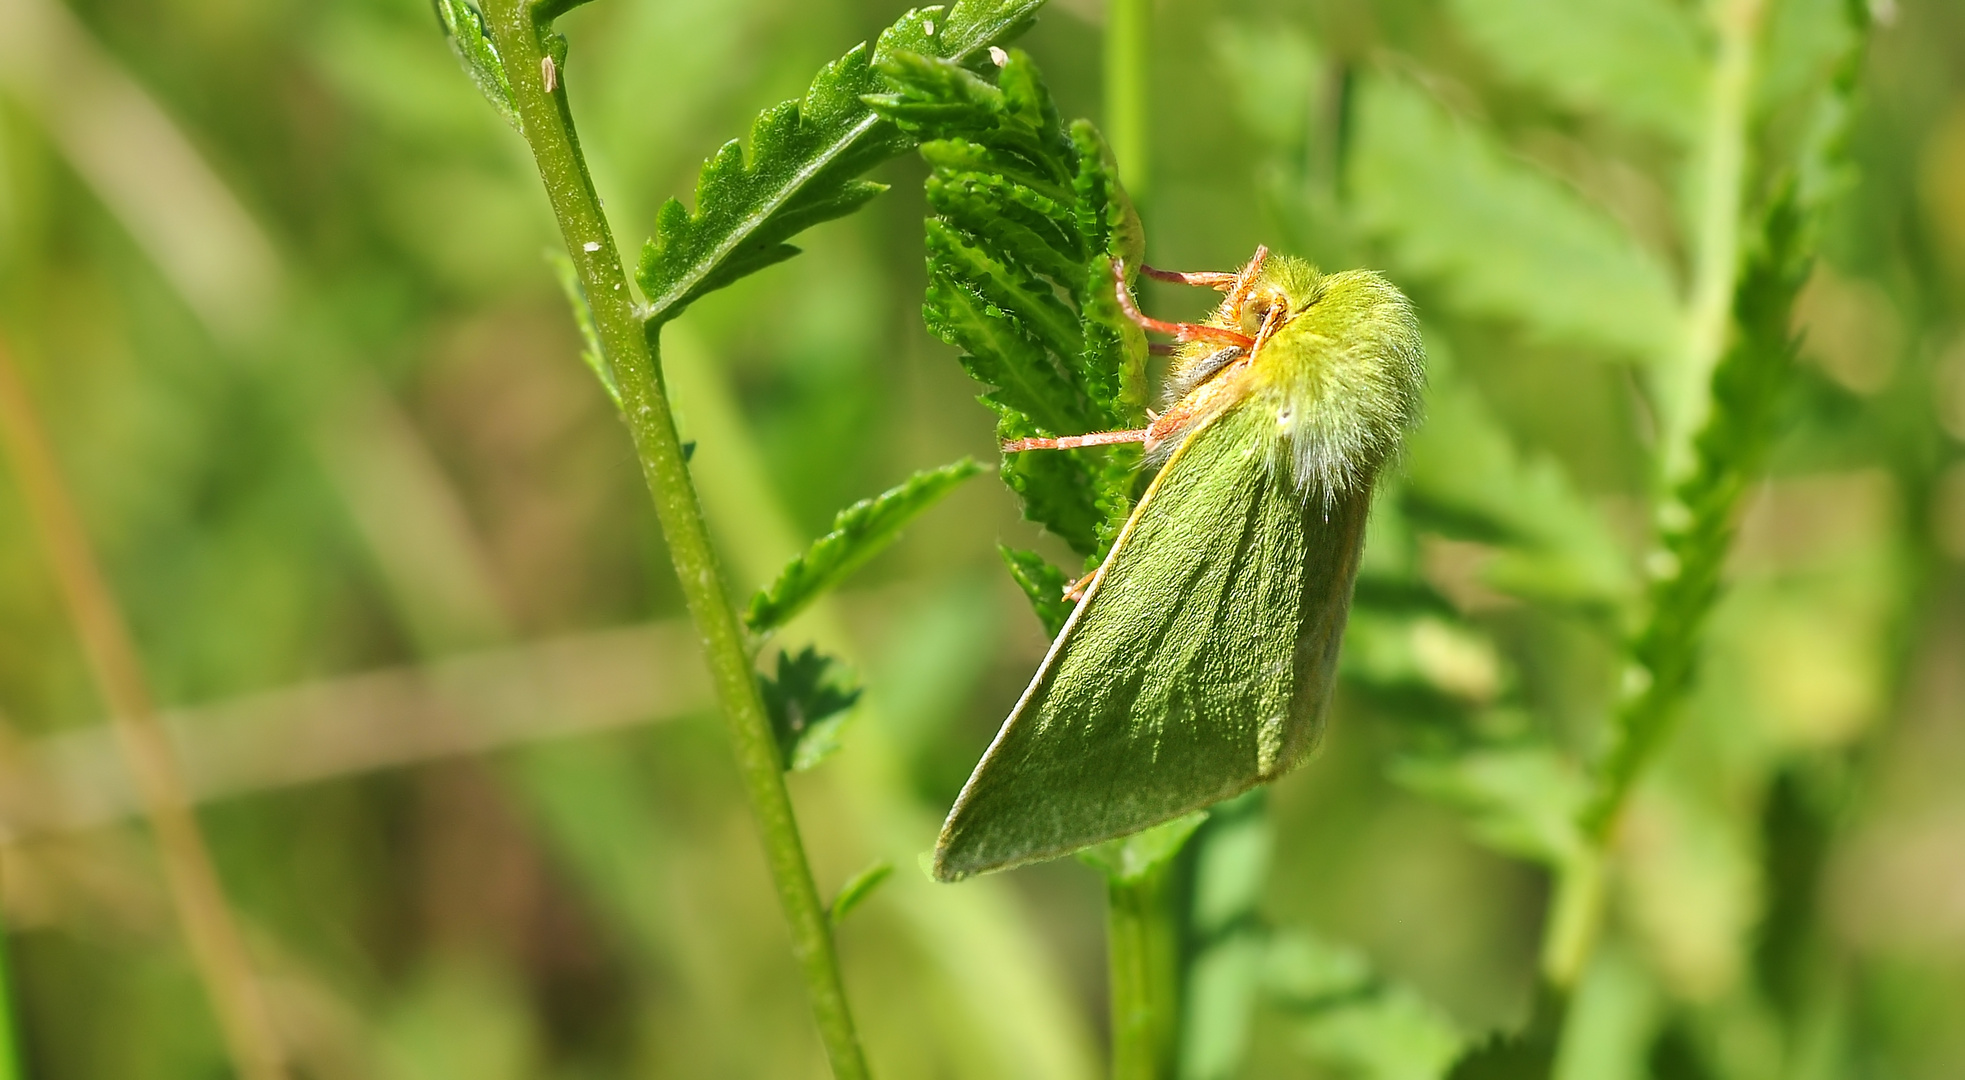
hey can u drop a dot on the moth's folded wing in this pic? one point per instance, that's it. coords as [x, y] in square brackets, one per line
[1180, 680]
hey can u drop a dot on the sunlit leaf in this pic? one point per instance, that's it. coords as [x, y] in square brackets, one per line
[1028, 219]
[804, 160]
[463, 27]
[858, 533]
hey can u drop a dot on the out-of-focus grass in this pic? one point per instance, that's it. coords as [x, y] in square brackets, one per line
[324, 414]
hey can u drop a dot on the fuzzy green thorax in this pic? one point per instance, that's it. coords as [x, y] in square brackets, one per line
[1342, 370]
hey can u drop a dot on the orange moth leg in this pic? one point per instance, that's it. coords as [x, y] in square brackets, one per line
[1072, 442]
[1181, 331]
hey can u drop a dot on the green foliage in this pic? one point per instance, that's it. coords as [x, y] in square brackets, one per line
[804, 161]
[1747, 391]
[1529, 1054]
[857, 889]
[583, 319]
[808, 701]
[1353, 1019]
[1638, 61]
[1043, 583]
[1466, 477]
[1520, 800]
[858, 533]
[1503, 239]
[1028, 220]
[463, 27]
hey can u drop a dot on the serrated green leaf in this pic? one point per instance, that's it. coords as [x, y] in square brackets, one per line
[858, 533]
[1526, 1055]
[804, 163]
[1059, 489]
[857, 889]
[1639, 61]
[463, 27]
[583, 317]
[807, 702]
[1502, 239]
[1043, 583]
[1522, 801]
[1028, 218]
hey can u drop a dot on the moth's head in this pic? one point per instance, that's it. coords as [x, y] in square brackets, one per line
[1284, 282]
[1346, 362]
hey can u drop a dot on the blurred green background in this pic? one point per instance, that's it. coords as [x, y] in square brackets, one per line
[275, 276]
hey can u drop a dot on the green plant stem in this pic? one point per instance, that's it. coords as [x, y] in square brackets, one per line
[1126, 25]
[1722, 161]
[9, 1045]
[1685, 401]
[1142, 948]
[1575, 915]
[217, 948]
[631, 355]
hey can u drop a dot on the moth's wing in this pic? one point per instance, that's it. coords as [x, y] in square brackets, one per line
[1197, 666]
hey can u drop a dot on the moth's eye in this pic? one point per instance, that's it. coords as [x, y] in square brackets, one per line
[1256, 310]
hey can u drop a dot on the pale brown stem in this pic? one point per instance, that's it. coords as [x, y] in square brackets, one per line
[213, 934]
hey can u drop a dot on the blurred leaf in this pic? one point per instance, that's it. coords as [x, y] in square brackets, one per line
[463, 27]
[859, 532]
[1428, 652]
[1028, 220]
[1524, 801]
[1352, 1020]
[1529, 1054]
[1304, 970]
[583, 317]
[1043, 583]
[1229, 943]
[1133, 859]
[1639, 61]
[1503, 239]
[1463, 466]
[807, 706]
[857, 889]
[1393, 1035]
[1795, 833]
[1675, 1055]
[804, 162]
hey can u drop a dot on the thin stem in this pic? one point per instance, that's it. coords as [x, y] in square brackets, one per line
[1722, 164]
[217, 947]
[1575, 915]
[1686, 399]
[631, 355]
[1126, 25]
[1142, 947]
[9, 1045]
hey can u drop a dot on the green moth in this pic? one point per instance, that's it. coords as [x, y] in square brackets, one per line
[1202, 652]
